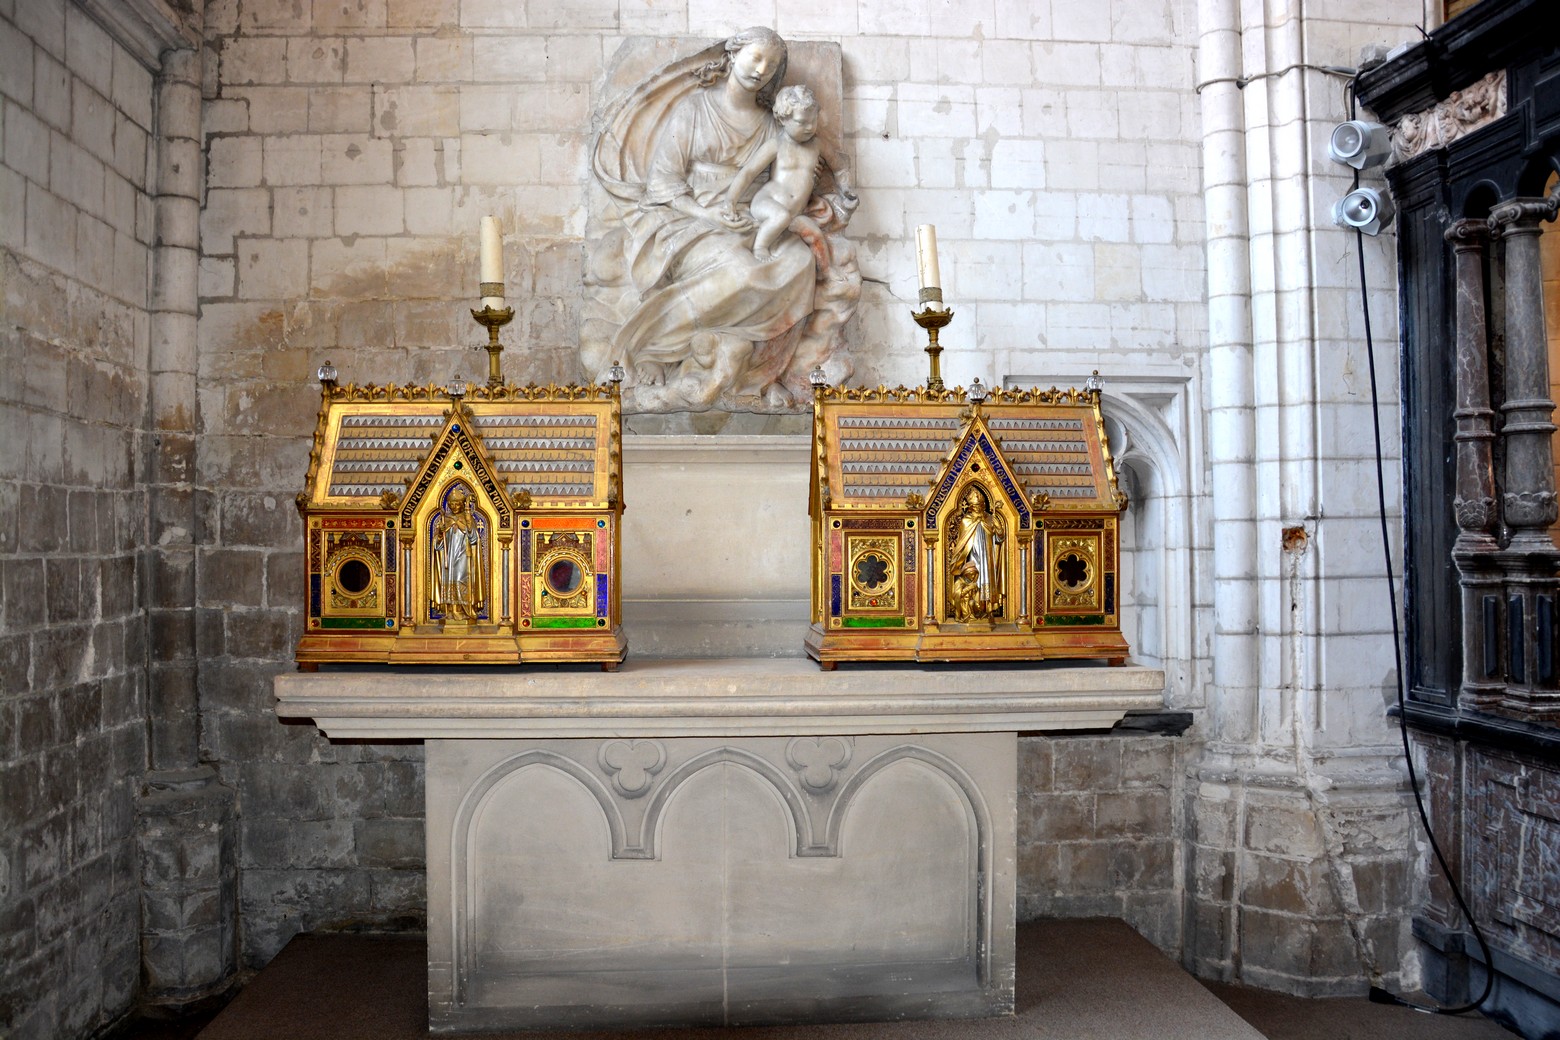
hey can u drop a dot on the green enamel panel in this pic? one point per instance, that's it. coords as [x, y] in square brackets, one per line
[377, 623]
[873, 622]
[1074, 619]
[563, 622]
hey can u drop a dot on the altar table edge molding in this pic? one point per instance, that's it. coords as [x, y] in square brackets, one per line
[739, 697]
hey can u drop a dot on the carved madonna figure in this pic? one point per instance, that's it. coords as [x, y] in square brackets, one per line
[676, 290]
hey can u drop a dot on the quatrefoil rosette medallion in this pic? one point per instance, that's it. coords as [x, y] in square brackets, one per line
[818, 761]
[631, 765]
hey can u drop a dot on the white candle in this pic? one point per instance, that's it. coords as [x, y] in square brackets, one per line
[926, 256]
[492, 265]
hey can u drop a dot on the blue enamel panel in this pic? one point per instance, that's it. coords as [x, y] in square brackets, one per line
[934, 507]
[1000, 469]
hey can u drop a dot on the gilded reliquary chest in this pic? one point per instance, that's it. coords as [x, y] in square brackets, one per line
[949, 527]
[474, 528]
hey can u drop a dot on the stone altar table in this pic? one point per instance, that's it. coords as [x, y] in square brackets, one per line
[718, 841]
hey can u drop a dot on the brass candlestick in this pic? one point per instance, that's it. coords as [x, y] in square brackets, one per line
[494, 319]
[931, 319]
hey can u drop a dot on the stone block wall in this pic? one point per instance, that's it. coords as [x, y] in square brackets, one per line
[351, 151]
[350, 156]
[189, 879]
[1298, 833]
[1296, 890]
[75, 234]
[1099, 824]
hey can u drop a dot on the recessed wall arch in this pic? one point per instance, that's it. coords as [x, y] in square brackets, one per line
[1537, 178]
[801, 835]
[1480, 199]
[1153, 419]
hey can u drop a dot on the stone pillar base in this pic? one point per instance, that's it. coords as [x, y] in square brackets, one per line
[1297, 891]
[186, 835]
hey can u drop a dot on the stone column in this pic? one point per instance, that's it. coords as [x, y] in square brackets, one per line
[1528, 502]
[1529, 498]
[186, 821]
[1476, 547]
[1284, 799]
[174, 516]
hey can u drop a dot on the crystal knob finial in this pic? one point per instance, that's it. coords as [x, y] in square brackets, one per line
[1094, 382]
[327, 373]
[978, 391]
[817, 377]
[616, 373]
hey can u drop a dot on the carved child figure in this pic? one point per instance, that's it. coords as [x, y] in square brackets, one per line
[795, 154]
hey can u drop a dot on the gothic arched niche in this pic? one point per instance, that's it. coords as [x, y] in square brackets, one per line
[980, 528]
[457, 534]
[1143, 538]
[1151, 419]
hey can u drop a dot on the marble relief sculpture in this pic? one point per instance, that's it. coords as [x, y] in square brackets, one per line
[715, 287]
[795, 156]
[1458, 115]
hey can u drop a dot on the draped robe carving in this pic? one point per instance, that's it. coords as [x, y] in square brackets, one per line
[682, 302]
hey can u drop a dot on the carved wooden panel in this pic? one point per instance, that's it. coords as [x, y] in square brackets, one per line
[1514, 874]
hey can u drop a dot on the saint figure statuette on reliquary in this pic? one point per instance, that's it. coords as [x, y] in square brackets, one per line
[953, 525]
[463, 525]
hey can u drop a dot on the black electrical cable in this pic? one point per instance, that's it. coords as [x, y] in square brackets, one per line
[1378, 995]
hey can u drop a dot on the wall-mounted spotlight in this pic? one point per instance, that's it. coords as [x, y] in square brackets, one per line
[1359, 144]
[1365, 209]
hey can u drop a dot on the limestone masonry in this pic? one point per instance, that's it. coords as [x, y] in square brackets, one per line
[200, 202]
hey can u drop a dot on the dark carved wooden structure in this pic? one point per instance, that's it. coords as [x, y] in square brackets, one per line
[1475, 109]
